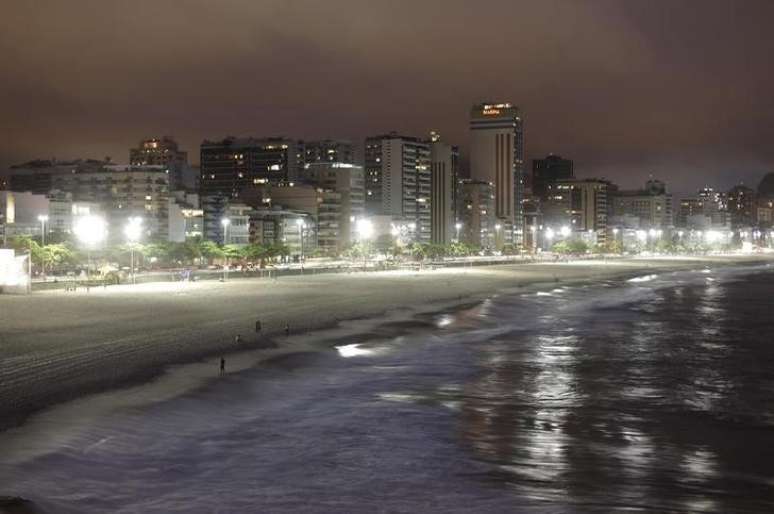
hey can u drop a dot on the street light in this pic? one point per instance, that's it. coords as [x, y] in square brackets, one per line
[133, 231]
[458, 227]
[365, 229]
[301, 226]
[225, 222]
[565, 231]
[43, 219]
[90, 230]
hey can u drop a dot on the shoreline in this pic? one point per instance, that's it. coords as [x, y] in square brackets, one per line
[71, 351]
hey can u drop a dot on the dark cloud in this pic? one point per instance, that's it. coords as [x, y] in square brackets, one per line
[681, 89]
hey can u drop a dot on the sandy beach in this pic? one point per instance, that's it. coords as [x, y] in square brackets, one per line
[56, 346]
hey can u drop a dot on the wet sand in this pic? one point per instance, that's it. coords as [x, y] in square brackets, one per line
[55, 346]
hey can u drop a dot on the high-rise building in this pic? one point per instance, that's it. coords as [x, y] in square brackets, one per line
[233, 164]
[549, 170]
[443, 165]
[346, 180]
[497, 157]
[165, 152]
[121, 192]
[765, 205]
[476, 210]
[329, 150]
[650, 207]
[37, 176]
[397, 180]
[186, 217]
[324, 208]
[741, 206]
[578, 204]
[708, 209]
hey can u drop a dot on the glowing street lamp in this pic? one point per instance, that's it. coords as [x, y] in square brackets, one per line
[565, 231]
[365, 229]
[133, 231]
[43, 219]
[458, 227]
[90, 230]
[225, 222]
[301, 226]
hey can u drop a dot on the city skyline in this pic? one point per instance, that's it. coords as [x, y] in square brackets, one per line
[676, 90]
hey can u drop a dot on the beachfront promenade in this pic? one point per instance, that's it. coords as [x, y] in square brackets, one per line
[56, 345]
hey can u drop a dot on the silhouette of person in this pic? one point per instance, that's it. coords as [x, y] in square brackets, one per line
[258, 326]
[238, 339]
[287, 329]
[222, 365]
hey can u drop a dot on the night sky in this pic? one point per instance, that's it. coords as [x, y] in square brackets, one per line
[683, 90]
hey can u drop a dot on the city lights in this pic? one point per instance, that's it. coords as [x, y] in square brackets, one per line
[90, 230]
[133, 232]
[365, 228]
[43, 219]
[133, 229]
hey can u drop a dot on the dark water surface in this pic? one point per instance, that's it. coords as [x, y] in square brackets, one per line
[652, 395]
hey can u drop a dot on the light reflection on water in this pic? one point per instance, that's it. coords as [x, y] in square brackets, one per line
[630, 405]
[656, 396]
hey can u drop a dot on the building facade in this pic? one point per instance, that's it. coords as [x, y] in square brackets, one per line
[165, 152]
[581, 205]
[348, 181]
[443, 179]
[708, 209]
[38, 176]
[329, 151]
[234, 164]
[397, 180]
[121, 192]
[647, 208]
[549, 170]
[741, 206]
[497, 157]
[476, 208]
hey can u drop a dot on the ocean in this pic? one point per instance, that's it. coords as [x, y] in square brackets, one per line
[652, 394]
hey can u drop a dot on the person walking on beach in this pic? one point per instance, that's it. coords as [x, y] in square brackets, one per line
[257, 326]
[287, 329]
[237, 339]
[222, 366]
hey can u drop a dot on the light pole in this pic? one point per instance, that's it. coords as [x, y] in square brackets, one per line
[533, 229]
[300, 223]
[133, 231]
[225, 222]
[364, 229]
[458, 227]
[43, 219]
[90, 230]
